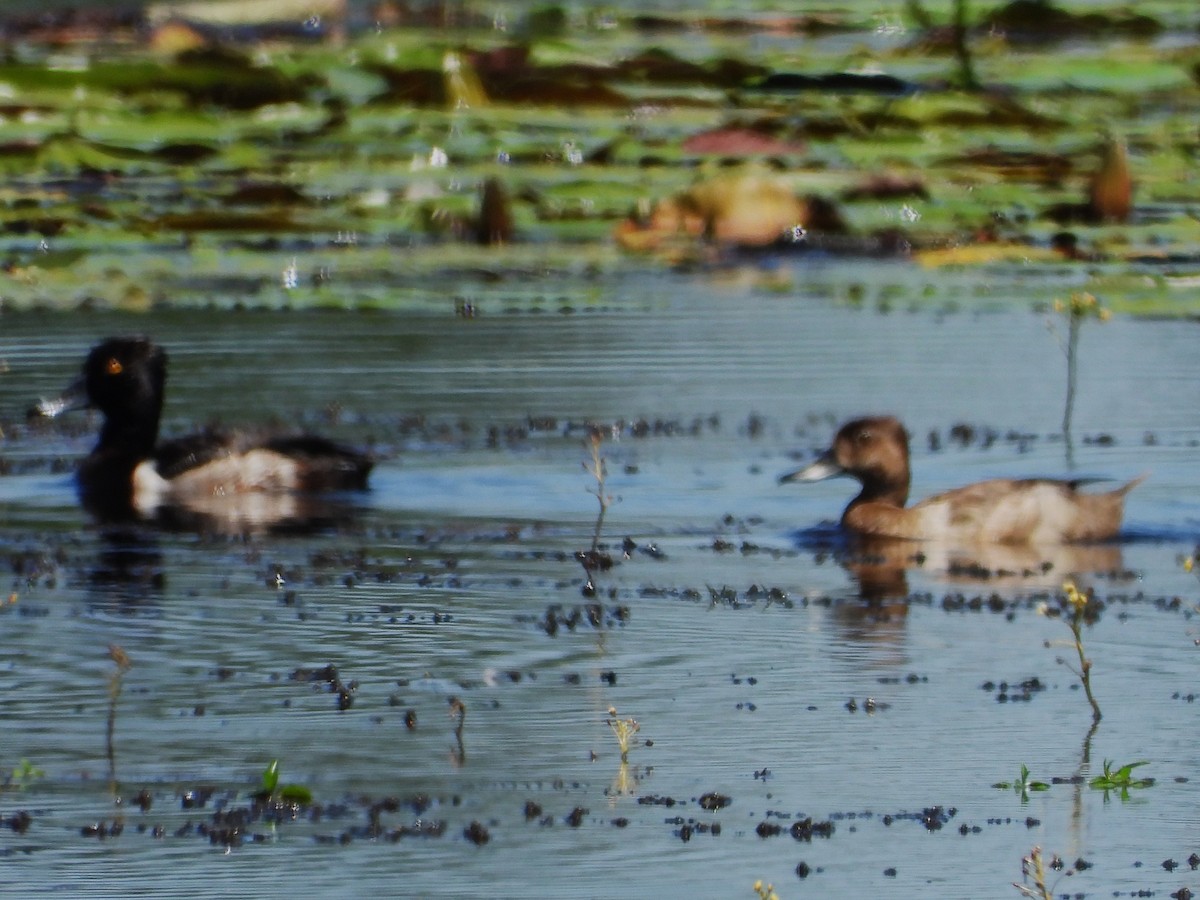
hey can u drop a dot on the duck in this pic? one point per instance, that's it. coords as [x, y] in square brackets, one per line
[130, 474]
[1034, 511]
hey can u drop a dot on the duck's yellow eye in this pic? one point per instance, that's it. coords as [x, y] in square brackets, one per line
[113, 366]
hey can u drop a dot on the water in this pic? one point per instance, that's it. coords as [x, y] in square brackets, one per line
[439, 582]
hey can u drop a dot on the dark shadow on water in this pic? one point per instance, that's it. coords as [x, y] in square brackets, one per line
[879, 575]
[827, 537]
[1157, 534]
[128, 571]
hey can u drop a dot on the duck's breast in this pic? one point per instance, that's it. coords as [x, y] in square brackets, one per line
[150, 489]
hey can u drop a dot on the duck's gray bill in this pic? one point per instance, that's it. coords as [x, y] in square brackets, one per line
[817, 470]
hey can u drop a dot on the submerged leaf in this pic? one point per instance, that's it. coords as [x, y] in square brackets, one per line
[295, 793]
[270, 776]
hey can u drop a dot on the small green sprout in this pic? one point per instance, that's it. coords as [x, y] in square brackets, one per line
[270, 777]
[1120, 779]
[24, 773]
[289, 793]
[625, 730]
[1023, 785]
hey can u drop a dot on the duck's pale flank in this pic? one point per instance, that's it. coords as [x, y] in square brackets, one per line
[874, 450]
[131, 474]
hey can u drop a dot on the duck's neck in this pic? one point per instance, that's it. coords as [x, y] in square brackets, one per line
[885, 491]
[133, 438]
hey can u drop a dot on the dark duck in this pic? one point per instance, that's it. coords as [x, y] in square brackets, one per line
[232, 477]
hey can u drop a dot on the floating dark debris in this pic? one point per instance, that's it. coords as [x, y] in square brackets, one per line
[654, 800]
[329, 674]
[768, 829]
[713, 801]
[932, 817]
[1021, 691]
[103, 830]
[691, 827]
[477, 834]
[18, 821]
[594, 614]
[575, 817]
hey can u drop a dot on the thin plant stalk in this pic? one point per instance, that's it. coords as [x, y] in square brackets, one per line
[597, 467]
[1078, 601]
[123, 663]
[1072, 368]
[625, 731]
[458, 712]
[968, 80]
[1033, 868]
[1075, 309]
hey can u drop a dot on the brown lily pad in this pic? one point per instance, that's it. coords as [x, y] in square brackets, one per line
[266, 194]
[212, 220]
[888, 186]
[1037, 21]
[738, 141]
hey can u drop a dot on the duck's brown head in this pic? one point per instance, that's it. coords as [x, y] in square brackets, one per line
[874, 451]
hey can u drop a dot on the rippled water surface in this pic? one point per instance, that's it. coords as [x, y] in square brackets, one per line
[730, 632]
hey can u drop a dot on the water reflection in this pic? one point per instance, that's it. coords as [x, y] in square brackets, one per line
[128, 570]
[880, 566]
[257, 513]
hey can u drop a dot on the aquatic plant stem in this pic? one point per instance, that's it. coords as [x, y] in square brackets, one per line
[1072, 366]
[123, 663]
[458, 712]
[968, 80]
[625, 731]
[1078, 601]
[598, 469]
[1085, 675]
[1075, 309]
[1033, 867]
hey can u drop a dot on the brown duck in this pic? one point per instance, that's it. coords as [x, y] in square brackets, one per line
[874, 450]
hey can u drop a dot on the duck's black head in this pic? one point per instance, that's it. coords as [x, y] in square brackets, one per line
[124, 378]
